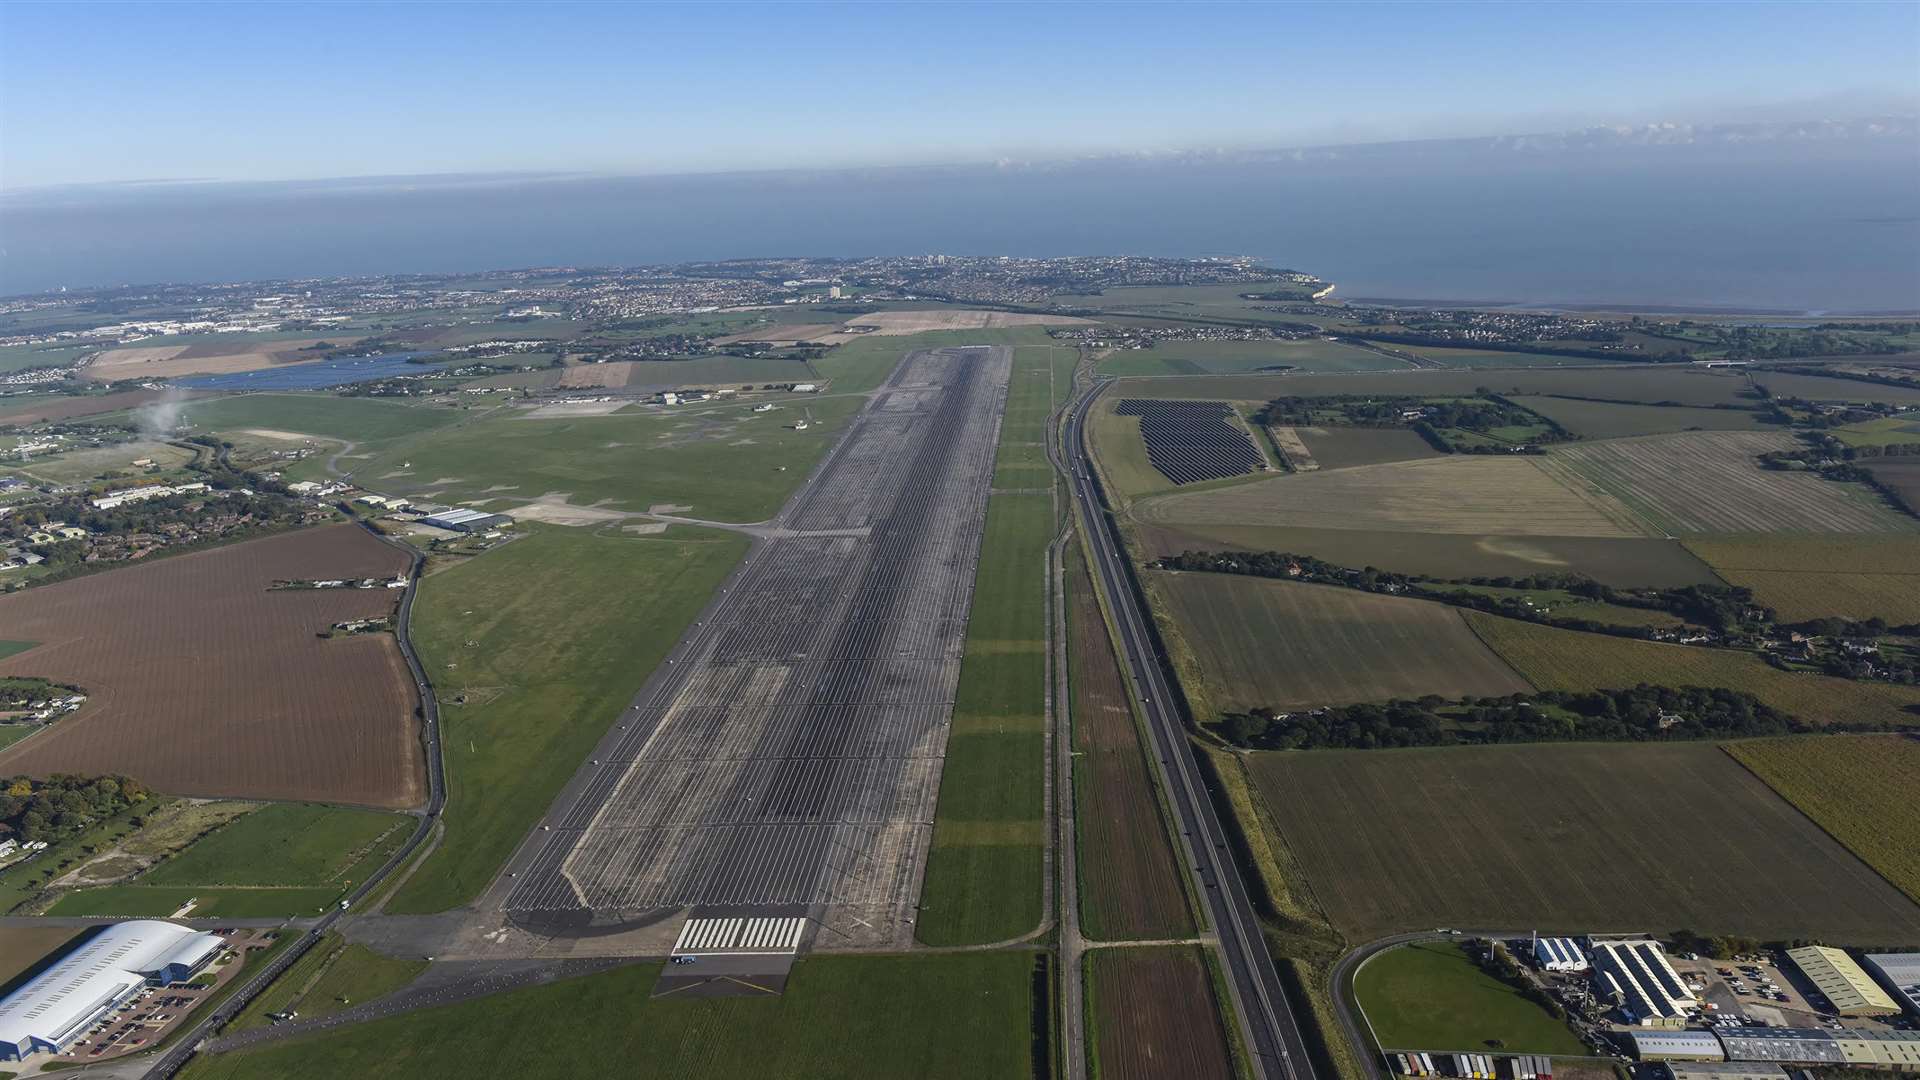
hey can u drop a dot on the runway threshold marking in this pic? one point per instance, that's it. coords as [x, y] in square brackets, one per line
[740, 936]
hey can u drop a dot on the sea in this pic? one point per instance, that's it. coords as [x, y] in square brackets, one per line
[1764, 230]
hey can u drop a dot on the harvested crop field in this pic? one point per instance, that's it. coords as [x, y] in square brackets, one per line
[1902, 476]
[47, 408]
[1812, 577]
[898, 323]
[585, 376]
[1614, 420]
[1345, 447]
[1459, 493]
[1287, 645]
[1711, 482]
[213, 358]
[1130, 888]
[1555, 659]
[1616, 382]
[1532, 836]
[1861, 790]
[1153, 1015]
[1618, 562]
[1817, 388]
[202, 681]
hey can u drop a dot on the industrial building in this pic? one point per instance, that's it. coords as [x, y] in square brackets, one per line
[1879, 1048]
[1851, 991]
[1900, 973]
[1797, 1046]
[1677, 1046]
[1724, 1070]
[467, 521]
[1559, 954]
[1636, 976]
[64, 1002]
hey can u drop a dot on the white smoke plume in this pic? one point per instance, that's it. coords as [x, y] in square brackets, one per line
[159, 419]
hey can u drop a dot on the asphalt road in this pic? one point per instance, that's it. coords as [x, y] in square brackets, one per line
[176, 1059]
[1271, 1033]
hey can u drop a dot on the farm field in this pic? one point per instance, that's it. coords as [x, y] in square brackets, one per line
[565, 625]
[1431, 996]
[202, 681]
[319, 415]
[958, 1016]
[1129, 876]
[1613, 420]
[1862, 791]
[23, 947]
[986, 863]
[1459, 493]
[1811, 577]
[1345, 447]
[1235, 357]
[1617, 562]
[228, 357]
[1531, 836]
[1490, 358]
[1816, 388]
[49, 407]
[21, 357]
[1710, 482]
[1286, 645]
[332, 975]
[627, 462]
[1888, 431]
[1902, 476]
[1654, 385]
[1153, 1015]
[1556, 659]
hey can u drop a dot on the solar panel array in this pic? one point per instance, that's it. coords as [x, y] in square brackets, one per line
[1191, 441]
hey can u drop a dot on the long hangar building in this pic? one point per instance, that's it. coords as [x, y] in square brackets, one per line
[62, 1003]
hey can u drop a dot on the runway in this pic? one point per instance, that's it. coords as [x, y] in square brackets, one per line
[788, 757]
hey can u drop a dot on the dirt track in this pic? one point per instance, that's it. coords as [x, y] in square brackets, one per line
[203, 682]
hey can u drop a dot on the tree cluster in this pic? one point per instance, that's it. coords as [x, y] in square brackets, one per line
[61, 805]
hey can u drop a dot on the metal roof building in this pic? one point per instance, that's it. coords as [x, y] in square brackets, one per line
[1901, 973]
[54, 1008]
[1851, 991]
[1636, 974]
[1559, 954]
[1676, 1046]
[1880, 1049]
[1725, 1070]
[466, 520]
[1802, 1046]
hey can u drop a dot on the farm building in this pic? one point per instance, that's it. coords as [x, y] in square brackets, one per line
[1559, 954]
[1636, 976]
[62, 1003]
[467, 521]
[1849, 990]
[1677, 1046]
[1899, 972]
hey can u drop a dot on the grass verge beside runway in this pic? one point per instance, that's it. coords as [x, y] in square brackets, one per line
[986, 866]
[957, 1016]
[330, 977]
[534, 649]
[1432, 996]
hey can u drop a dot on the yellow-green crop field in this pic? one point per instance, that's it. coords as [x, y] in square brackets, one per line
[1861, 790]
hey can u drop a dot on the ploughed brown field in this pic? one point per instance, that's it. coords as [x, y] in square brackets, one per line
[1154, 1015]
[1131, 888]
[201, 681]
[50, 408]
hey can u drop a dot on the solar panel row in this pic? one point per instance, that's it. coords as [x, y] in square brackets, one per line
[1191, 441]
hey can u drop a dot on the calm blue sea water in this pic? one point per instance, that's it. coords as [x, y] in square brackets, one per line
[314, 376]
[1829, 227]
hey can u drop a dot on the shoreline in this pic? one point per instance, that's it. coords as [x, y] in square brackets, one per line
[1707, 311]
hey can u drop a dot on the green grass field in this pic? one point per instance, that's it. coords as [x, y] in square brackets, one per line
[1555, 659]
[210, 901]
[1612, 420]
[1811, 577]
[567, 625]
[1431, 996]
[1885, 432]
[1862, 791]
[1551, 837]
[984, 869]
[851, 1017]
[321, 415]
[331, 976]
[725, 462]
[1286, 645]
[1818, 388]
[9, 648]
[1646, 383]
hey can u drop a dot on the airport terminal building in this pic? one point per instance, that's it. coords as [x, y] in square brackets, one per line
[62, 1003]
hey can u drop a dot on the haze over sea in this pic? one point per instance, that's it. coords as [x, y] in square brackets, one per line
[1833, 227]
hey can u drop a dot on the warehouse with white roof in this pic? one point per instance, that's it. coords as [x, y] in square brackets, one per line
[1901, 974]
[1636, 976]
[51, 1010]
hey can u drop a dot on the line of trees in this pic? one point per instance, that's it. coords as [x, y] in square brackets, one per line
[59, 806]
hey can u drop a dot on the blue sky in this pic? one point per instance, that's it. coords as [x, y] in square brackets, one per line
[99, 92]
